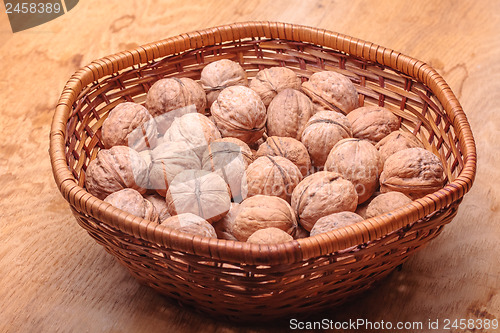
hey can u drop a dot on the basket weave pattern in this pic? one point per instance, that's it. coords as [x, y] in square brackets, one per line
[239, 280]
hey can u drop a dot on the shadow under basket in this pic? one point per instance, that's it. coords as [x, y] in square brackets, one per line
[249, 282]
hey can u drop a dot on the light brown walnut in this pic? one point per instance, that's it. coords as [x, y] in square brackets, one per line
[331, 91]
[199, 192]
[262, 211]
[272, 175]
[322, 132]
[132, 202]
[239, 112]
[321, 194]
[219, 75]
[172, 97]
[335, 221]
[386, 202]
[288, 113]
[396, 141]
[190, 224]
[372, 123]
[415, 172]
[270, 81]
[115, 169]
[358, 161]
[270, 235]
[289, 148]
[224, 226]
[160, 205]
[129, 124]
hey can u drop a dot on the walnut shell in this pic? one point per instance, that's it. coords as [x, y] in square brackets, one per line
[413, 171]
[288, 113]
[358, 161]
[321, 194]
[240, 113]
[322, 132]
[270, 81]
[262, 211]
[272, 175]
[269, 236]
[227, 159]
[224, 226]
[396, 141]
[132, 202]
[335, 221]
[246, 152]
[372, 123]
[361, 209]
[219, 75]
[289, 148]
[160, 205]
[199, 192]
[195, 129]
[168, 160]
[129, 124]
[386, 202]
[114, 169]
[190, 224]
[331, 91]
[173, 95]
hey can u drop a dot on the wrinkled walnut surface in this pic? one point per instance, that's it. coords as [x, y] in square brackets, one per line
[270, 81]
[385, 203]
[190, 224]
[270, 235]
[219, 75]
[224, 226]
[321, 194]
[396, 141]
[160, 205]
[413, 171]
[132, 202]
[289, 148]
[335, 221]
[372, 123]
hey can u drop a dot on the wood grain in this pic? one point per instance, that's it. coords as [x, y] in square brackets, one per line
[54, 277]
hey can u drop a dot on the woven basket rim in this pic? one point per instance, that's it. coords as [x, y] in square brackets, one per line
[241, 252]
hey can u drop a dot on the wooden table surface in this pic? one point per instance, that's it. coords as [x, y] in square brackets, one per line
[54, 277]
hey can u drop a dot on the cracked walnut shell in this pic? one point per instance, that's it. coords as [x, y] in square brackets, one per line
[414, 172]
[331, 91]
[321, 194]
[239, 112]
[372, 123]
[289, 148]
[270, 81]
[132, 202]
[115, 169]
[263, 211]
[129, 124]
[219, 75]
[190, 224]
[288, 113]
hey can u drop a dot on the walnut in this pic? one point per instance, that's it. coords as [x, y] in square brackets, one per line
[219, 75]
[335, 221]
[132, 202]
[169, 159]
[386, 202]
[199, 192]
[224, 226]
[372, 123]
[361, 209]
[322, 132]
[160, 205]
[114, 169]
[270, 81]
[190, 224]
[195, 129]
[396, 141]
[129, 124]
[240, 113]
[229, 160]
[413, 171]
[172, 96]
[321, 194]
[272, 175]
[288, 114]
[289, 148]
[270, 235]
[262, 211]
[358, 161]
[331, 91]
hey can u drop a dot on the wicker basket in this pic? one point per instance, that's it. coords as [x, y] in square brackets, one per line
[244, 281]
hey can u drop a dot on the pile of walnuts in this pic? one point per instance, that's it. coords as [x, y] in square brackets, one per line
[265, 160]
